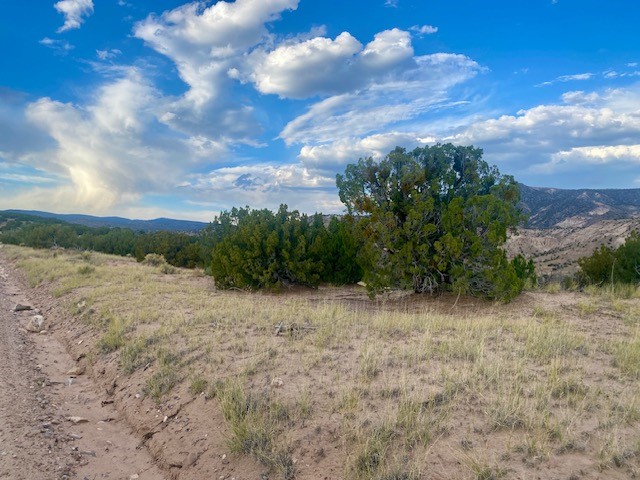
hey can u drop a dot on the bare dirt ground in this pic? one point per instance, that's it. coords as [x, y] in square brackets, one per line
[406, 387]
[40, 392]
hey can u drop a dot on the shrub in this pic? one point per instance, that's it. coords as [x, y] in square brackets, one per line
[154, 260]
[608, 265]
[435, 219]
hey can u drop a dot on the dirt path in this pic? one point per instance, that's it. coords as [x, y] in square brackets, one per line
[40, 392]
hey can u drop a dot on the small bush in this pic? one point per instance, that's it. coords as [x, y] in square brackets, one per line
[198, 385]
[114, 338]
[86, 270]
[161, 382]
[168, 269]
[610, 266]
[255, 423]
[154, 260]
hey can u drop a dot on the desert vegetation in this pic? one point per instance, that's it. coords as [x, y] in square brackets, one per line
[609, 265]
[374, 381]
[329, 383]
[431, 220]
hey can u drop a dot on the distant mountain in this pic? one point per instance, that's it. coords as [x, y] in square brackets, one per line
[554, 207]
[136, 225]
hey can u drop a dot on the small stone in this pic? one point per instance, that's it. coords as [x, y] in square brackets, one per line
[76, 371]
[135, 476]
[77, 420]
[225, 460]
[22, 308]
[277, 382]
[36, 324]
[190, 460]
[164, 420]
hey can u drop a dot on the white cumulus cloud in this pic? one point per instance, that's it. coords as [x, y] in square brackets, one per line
[321, 66]
[74, 11]
[333, 157]
[206, 43]
[422, 30]
[591, 135]
[402, 96]
[265, 185]
[111, 151]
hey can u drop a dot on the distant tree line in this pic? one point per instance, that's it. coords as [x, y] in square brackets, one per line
[179, 249]
[433, 219]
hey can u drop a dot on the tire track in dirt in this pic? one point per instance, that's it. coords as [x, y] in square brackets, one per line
[40, 392]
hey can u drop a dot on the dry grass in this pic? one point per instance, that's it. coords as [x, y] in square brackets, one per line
[399, 389]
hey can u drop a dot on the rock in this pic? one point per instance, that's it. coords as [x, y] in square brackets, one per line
[277, 382]
[135, 476]
[190, 460]
[36, 324]
[21, 308]
[111, 389]
[77, 420]
[76, 371]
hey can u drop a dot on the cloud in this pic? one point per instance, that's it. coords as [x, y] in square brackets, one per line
[579, 97]
[391, 3]
[321, 66]
[597, 155]
[331, 158]
[18, 139]
[591, 131]
[61, 46]
[31, 179]
[424, 30]
[108, 54]
[609, 74]
[206, 43]
[112, 150]
[265, 185]
[568, 78]
[74, 11]
[401, 97]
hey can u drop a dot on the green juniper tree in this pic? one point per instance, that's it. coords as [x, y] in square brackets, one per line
[434, 219]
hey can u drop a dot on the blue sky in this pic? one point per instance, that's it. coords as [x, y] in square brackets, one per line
[163, 108]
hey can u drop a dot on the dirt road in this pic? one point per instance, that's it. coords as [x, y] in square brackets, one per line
[54, 423]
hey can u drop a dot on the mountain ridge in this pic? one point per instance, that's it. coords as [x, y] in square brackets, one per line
[556, 207]
[154, 225]
[546, 208]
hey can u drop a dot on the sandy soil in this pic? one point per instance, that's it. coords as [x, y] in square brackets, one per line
[188, 438]
[39, 393]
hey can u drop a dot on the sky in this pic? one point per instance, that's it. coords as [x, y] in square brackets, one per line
[161, 108]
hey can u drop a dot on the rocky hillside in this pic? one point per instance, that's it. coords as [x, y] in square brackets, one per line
[566, 225]
[550, 207]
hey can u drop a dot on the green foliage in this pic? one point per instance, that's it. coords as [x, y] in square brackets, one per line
[179, 249]
[607, 265]
[263, 249]
[525, 269]
[154, 260]
[434, 219]
[339, 252]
